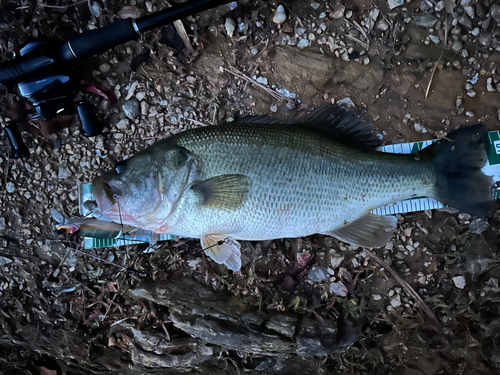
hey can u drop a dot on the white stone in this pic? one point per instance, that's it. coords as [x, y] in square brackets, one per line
[395, 3]
[230, 26]
[396, 301]
[279, 15]
[338, 288]
[459, 282]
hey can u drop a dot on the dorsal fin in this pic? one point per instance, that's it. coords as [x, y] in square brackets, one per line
[341, 125]
[332, 121]
[262, 119]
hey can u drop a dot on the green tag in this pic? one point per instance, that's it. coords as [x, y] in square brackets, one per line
[494, 154]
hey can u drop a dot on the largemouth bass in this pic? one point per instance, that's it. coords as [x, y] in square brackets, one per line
[261, 179]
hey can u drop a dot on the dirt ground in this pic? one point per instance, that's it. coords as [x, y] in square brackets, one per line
[415, 69]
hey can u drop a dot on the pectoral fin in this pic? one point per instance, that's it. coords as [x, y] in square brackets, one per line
[367, 231]
[223, 250]
[227, 192]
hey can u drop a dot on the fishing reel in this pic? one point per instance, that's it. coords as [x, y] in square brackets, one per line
[48, 94]
[44, 71]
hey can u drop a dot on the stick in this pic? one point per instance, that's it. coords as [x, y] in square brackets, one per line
[403, 283]
[243, 76]
[432, 75]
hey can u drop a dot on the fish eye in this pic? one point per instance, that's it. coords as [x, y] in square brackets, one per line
[61, 230]
[120, 167]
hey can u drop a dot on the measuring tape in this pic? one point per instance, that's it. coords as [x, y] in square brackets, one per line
[492, 168]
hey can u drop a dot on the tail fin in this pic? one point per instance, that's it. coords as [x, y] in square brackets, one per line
[458, 160]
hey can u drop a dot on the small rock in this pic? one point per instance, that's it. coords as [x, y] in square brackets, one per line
[434, 39]
[129, 11]
[419, 128]
[470, 11]
[425, 20]
[465, 21]
[261, 79]
[338, 13]
[140, 95]
[315, 5]
[283, 39]
[395, 3]
[64, 172]
[475, 31]
[489, 85]
[338, 288]
[485, 39]
[336, 262]
[478, 225]
[10, 187]
[376, 297]
[495, 13]
[382, 25]
[95, 9]
[459, 281]
[2, 223]
[104, 67]
[300, 31]
[400, 255]
[346, 102]
[4, 261]
[254, 51]
[123, 124]
[366, 60]
[318, 274]
[396, 301]
[303, 43]
[131, 108]
[230, 26]
[131, 90]
[274, 108]
[456, 46]
[279, 15]
[374, 14]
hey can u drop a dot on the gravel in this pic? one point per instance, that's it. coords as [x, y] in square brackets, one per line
[318, 274]
[131, 109]
[64, 172]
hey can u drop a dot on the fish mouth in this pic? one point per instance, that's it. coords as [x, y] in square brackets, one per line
[105, 195]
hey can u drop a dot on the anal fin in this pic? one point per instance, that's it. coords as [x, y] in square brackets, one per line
[367, 231]
[223, 250]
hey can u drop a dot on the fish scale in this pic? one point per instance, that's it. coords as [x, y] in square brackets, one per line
[302, 183]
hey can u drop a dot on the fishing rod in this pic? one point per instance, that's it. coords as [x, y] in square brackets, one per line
[44, 74]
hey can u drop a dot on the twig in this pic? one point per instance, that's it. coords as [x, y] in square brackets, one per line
[97, 258]
[403, 283]
[55, 6]
[360, 29]
[432, 75]
[196, 122]
[181, 30]
[440, 56]
[363, 44]
[243, 76]
[446, 30]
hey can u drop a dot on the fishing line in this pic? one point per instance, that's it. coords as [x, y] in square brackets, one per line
[218, 243]
[98, 258]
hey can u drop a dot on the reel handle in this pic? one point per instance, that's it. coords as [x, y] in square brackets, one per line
[17, 147]
[90, 123]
